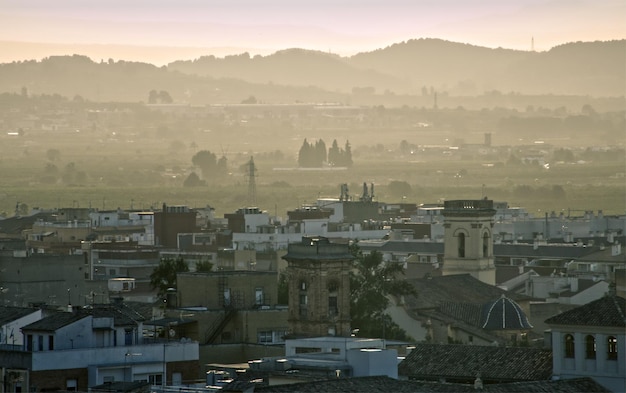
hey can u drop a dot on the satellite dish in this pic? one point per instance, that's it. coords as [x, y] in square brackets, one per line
[172, 332]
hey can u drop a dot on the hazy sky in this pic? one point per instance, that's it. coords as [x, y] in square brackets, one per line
[341, 26]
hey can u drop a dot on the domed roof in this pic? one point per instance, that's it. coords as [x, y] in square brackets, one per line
[504, 314]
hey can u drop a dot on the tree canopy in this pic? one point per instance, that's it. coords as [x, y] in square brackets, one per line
[209, 164]
[164, 275]
[372, 282]
[313, 155]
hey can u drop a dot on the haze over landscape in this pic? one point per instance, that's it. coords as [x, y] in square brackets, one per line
[227, 175]
[401, 82]
[163, 31]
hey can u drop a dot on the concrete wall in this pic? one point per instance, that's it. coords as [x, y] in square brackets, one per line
[47, 278]
[205, 289]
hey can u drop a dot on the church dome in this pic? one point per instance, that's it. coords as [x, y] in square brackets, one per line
[504, 314]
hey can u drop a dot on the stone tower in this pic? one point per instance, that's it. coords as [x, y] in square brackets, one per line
[319, 287]
[468, 240]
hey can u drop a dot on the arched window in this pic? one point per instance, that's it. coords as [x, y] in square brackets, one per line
[611, 346]
[590, 347]
[485, 245]
[569, 346]
[303, 299]
[461, 245]
[333, 304]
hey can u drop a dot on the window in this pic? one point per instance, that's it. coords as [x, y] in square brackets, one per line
[51, 343]
[485, 245]
[303, 300]
[258, 296]
[333, 309]
[155, 379]
[611, 348]
[590, 347]
[264, 337]
[461, 240]
[128, 337]
[227, 297]
[569, 346]
[29, 342]
[70, 385]
[40, 343]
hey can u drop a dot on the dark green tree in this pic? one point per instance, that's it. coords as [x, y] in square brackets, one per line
[206, 161]
[222, 165]
[347, 155]
[334, 154]
[303, 154]
[399, 188]
[372, 282]
[164, 275]
[153, 97]
[204, 266]
[193, 180]
[283, 288]
[165, 97]
[320, 151]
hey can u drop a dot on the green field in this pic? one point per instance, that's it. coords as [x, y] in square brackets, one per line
[111, 171]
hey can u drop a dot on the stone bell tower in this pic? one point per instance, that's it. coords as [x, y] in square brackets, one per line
[468, 240]
[319, 287]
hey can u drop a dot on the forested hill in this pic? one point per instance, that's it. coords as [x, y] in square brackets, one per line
[401, 74]
[77, 75]
[581, 68]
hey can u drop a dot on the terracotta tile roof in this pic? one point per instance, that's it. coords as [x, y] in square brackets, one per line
[462, 362]
[121, 314]
[10, 314]
[56, 321]
[500, 314]
[386, 384]
[435, 290]
[468, 312]
[607, 311]
[16, 224]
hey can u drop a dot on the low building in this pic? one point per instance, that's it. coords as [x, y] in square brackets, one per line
[87, 347]
[590, 341]
[320, 358]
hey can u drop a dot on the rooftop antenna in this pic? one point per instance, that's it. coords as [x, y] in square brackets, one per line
[251, 182]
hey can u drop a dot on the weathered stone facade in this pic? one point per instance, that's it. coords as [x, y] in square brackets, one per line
[468, 239]
[319, 288]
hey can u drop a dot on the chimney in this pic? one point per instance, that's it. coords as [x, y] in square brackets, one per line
[478, 383]
[612, 289]
[616, 249]
[610, 236]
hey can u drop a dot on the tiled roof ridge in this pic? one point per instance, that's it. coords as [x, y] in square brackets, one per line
[472, 313]
[605, 311]
[618, 307]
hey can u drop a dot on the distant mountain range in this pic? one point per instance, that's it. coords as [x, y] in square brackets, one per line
[413, 68]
